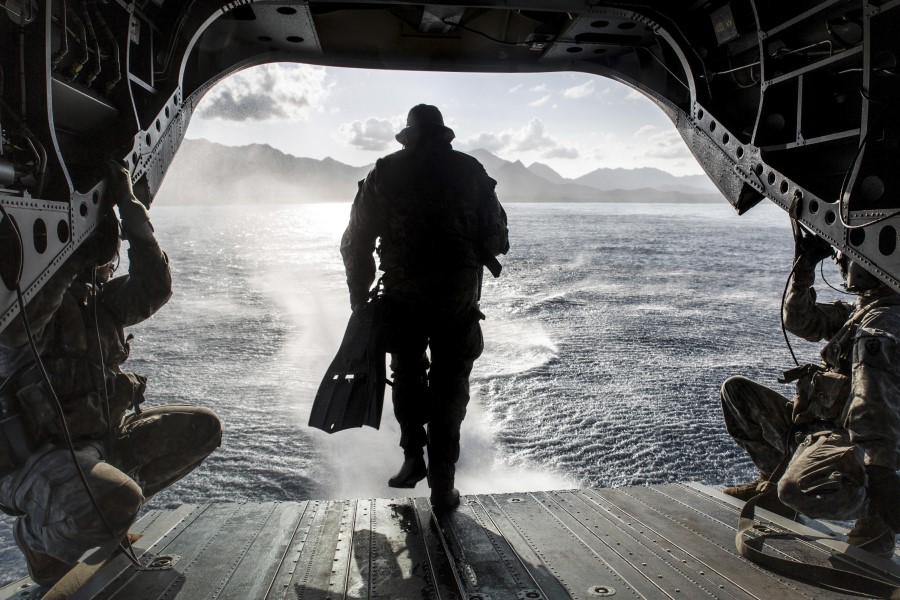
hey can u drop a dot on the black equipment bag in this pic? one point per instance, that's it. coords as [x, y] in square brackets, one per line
[352, 392]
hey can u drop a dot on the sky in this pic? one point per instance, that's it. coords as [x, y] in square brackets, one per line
[573, 122]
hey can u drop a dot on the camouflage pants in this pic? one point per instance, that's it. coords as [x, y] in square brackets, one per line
[152, 451]
[825, 476]
[435, 394]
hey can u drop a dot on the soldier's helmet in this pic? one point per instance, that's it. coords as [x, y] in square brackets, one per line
[424, 119]
[857, 279]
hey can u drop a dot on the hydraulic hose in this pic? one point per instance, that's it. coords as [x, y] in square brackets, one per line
[92, 39]
[78, 64]
[117, 66]
[64, 38]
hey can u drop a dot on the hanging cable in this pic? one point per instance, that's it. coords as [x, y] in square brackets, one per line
[34, 144]
[125, 544]
[838, 290]
[447, 21]
[783, 300]
[847, 190]
[664, 66]
[102, 365]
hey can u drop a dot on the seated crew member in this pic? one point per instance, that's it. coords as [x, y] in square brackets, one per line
[840, 435]
[127, 454]
[438, 220]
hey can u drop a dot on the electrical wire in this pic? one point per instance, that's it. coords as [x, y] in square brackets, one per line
[102, 365]
[664, 66]
[125, 544]
[40, 153]
[848, 190]
[838, 290]
[447, 21]
[783, 300]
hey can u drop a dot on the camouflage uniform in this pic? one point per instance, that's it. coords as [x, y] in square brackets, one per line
[436, 214]
[846, 413]
[126, 456]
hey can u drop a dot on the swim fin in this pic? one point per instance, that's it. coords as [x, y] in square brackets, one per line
[352, 392]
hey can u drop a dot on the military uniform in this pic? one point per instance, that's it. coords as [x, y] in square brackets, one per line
[845, 417]
[438, 219]
[127, 454]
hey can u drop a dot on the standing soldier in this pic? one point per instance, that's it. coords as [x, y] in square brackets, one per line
[125, 454]
[834, 450]
[439, 221]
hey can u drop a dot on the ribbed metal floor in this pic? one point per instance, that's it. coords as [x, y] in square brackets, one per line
[670, 541]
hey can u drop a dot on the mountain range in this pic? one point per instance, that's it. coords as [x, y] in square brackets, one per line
[210, 173]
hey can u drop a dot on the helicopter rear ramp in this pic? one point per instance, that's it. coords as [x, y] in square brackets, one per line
[669, 541]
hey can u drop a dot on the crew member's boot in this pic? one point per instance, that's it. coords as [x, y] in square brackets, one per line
[877, 531]
[745, 491]
[443, 452]
[441, 475]
[872, 534]
[411, 472]
[42, 568]
[770, 502]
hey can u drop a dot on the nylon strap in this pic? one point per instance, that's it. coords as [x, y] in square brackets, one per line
[838, 579]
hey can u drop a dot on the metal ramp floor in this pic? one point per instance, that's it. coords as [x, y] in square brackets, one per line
[668, 541]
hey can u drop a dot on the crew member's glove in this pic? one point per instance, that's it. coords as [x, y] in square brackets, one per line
[135, 219]
[884, 490]
[810, 246]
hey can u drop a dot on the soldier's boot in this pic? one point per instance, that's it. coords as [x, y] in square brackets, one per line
[745, 491]
[770, 502]
[444, 501]
[443, 452]
[411, 472]
[42, 568]
[872, 534]
[883, 490]
[441, 475]
[441, 478]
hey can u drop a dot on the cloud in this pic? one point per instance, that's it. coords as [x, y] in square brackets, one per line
[515, 89]
[585, 90]
[533, 137]
[268, 93]
[540, 101]
[373, 134]
[661, 144]
[633, 94]
[561, 152]
[539, 88]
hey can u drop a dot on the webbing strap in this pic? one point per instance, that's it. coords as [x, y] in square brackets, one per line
[838, 579]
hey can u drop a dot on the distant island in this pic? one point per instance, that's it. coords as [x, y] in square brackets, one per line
[210, 173]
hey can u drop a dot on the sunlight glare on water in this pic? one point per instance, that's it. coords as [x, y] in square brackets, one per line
[606, 340]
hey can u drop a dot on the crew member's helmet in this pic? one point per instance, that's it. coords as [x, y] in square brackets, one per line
[856, 278]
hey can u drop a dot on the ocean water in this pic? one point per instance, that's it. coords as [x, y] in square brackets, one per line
[606, 340]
